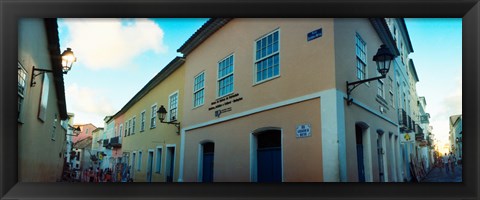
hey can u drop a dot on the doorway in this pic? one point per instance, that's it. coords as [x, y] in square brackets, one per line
[381, 151]
[360, 156]
[149, 166]
[269, 156]
[207, 163]
[169, 168]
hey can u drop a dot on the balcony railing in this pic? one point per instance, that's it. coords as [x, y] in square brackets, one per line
[115, 142]
[403, 120]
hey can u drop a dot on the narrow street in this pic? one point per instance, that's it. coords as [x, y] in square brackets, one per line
[439, 175]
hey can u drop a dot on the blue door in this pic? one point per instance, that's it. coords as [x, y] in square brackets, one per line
[207, 167]
[361, 168]
[269, 165]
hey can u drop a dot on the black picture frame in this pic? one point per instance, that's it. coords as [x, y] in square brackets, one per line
[11, 11]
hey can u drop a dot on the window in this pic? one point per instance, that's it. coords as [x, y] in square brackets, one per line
[133, 125]
[381, 89]
[86, 131]
[225, 76]
[22, 86]
[126, 128]
[139, 165]
[120, 130]
[128, 125]
[153, 116]
[392, 101]
[267, 57]
[173, 106]
[361, 54]
[159, 160]
[198, 90]
[401, 52]
[142, 122]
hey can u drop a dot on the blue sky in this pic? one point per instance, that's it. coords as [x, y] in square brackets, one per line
[437, 45]
[117, 57]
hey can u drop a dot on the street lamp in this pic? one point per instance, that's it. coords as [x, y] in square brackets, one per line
[383, 59]
[76, 131]
[162, 112]
[68, 58]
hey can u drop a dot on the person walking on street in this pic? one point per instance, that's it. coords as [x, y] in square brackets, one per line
[452, 162]
[445, 163]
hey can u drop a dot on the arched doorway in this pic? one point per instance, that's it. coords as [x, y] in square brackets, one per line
[360, 132]
[269, 155]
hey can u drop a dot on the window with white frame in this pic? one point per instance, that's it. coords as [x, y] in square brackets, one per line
[198, 90]
[225, 76]
[390, 91]
[139, 162]
[361, 54]
[120, 130]
[267, 57]
[133, 125]
[126, 128]
[142, 121]
[158, 167]
[129, 126]
[153, 123]
[173, 106]
[381, 89]
[22, 86]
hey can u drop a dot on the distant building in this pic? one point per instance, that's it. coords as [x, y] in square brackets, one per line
[42, 113]
[456, 135]
[82, 145]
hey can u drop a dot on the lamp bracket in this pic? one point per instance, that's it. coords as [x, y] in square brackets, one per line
[176, 124]
[351, 86]
[34, 75]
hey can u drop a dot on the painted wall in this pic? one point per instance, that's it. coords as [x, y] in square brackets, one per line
[302, 157]
[369, 101]
[85, 131]
[160, 136]
[314, 58]
[41, 143]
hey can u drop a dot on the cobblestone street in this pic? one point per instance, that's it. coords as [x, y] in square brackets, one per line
[439, 175]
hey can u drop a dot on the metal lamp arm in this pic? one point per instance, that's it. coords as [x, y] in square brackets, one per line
[351, 86]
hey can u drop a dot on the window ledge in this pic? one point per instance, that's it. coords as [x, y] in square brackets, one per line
[265, 80]
[382, 101]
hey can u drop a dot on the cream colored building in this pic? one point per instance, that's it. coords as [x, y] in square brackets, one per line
[41, 102]
[265, 101]
[150, 148]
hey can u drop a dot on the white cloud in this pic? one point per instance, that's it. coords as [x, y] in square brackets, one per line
[112, 43]
[88, 105]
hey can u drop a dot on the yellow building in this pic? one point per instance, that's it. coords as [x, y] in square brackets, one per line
[265, 101]
[152, 148]
[42, 115]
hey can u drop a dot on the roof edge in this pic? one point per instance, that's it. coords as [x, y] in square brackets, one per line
[202, 34]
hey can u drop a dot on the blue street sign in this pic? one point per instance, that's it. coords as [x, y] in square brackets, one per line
[314, 34]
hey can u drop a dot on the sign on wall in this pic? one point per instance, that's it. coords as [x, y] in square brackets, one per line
[407, 137]
[304, 130]
[314, 34]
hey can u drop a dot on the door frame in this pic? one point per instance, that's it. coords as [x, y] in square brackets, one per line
[172, 159]
[200, 159]
[253, 151]
[150, 165]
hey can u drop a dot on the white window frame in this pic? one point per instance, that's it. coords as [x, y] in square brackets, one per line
[143, 115]
[170, 105]
[120, 129]
[153, 115]
[359, 59]
[198, 90]
[219, 79]
[22, 83]
[158, 159]
[381, 89]
[133, 124]
[129, 126]
[272, 54]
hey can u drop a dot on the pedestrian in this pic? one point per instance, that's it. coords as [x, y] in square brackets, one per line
[452, 162]
[445, 163]
[91, 175]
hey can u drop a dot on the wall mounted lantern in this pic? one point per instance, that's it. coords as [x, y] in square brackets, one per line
[68, 58]
[383, 58]
[162, 112]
